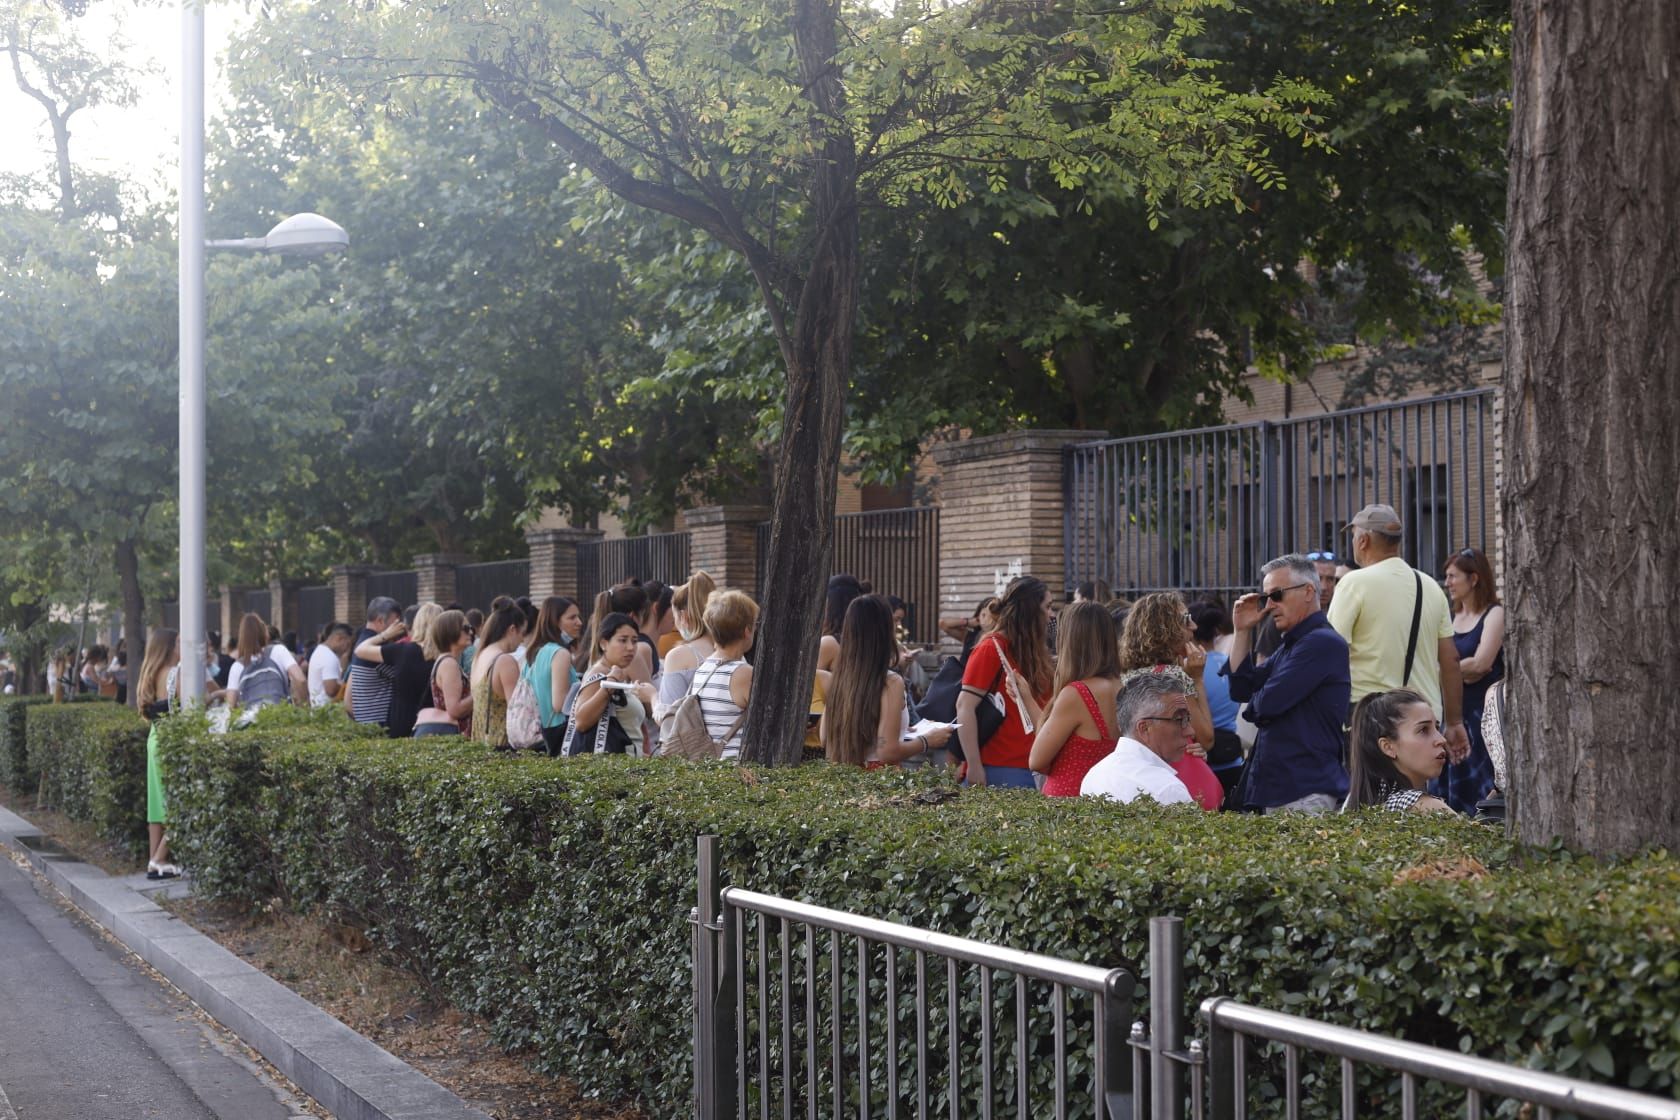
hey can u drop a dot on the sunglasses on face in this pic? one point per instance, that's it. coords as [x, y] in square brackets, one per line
[1277, 595]
[1329, 557]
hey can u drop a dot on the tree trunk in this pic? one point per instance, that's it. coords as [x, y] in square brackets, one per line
[134, 610]
[819, 358]
[1592, 402]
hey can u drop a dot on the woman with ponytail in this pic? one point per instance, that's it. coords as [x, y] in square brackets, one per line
[1396, 749]
[688, 607]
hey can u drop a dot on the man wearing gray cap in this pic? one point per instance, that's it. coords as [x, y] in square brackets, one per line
[1398, 625]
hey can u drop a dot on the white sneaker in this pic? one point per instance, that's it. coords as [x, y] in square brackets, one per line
[155, 870]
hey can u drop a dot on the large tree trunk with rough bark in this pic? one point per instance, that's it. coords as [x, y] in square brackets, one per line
[1592, 408]
[819, 359]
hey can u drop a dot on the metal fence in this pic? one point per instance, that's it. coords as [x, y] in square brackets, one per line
[212, 614]
[801, 1010]
[315, 611]
[1204, 509]
[896, 551]
[476, 585]
[404, 587]
[797, 1005]
[603, 565]
[259, 602]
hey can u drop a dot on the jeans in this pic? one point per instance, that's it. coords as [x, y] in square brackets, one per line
[1009, 777]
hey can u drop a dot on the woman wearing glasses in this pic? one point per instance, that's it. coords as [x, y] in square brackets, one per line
[1159, 635]
[1479, 635]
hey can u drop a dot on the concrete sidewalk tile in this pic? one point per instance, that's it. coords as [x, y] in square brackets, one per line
[347, 1073]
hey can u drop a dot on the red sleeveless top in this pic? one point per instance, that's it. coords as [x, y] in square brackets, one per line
[1079, 754]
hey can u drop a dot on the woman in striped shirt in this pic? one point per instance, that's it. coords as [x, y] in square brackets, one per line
[723, 681]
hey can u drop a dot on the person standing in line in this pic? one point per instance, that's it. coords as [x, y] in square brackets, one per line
[667, 634]
[1153, 715]
[723, 681]
[1225, 757]
[402, 648]
[1160, 635]
[1081, 728]
[842, 589]
[224, 662]
[450, 710]
[1324, 563]
[474, 623]
[1479, 637]
[688, 609]
[1297, 698]
[1011, 663]
[154, 692]
[263, 673]
[867, 718]
[549, 666]
[370, 681]
[327, 663]
[1397, 748]
[1398, 625]
[495, 675]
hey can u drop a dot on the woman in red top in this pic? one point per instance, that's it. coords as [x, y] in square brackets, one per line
[1160, 635]
[1079, 730]
[1012, 662]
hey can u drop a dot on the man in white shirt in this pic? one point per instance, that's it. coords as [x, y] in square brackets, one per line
[326, 665]
[1153, 715]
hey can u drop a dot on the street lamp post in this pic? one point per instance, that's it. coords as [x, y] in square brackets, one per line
[301, 234]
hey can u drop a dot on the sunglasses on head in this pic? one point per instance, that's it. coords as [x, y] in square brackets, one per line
[1317, 556]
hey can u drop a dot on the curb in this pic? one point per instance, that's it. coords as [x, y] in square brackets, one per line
[349, 1075]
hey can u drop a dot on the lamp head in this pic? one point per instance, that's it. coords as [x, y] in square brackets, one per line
[307, 235]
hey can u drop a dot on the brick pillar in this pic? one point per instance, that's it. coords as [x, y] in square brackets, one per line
[1000, 514]
[436, 572]
[350, 597]
[233, 599]
[284, 609]
[724, 541]
[554, 561]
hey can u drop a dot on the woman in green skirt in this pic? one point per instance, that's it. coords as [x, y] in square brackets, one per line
[158, 692]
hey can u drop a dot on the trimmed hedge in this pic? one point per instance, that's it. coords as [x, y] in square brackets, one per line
[90, 761]
[15, 773]
[552, 896]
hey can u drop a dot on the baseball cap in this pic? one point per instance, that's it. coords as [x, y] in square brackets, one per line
[1377, 519]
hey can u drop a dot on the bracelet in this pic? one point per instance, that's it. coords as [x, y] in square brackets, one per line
[926, 746]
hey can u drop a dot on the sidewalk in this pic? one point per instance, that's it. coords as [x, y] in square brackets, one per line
[344, 1072]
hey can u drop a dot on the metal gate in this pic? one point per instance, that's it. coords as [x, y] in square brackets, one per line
[1202, 510]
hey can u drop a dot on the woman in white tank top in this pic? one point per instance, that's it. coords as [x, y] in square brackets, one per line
[723, 681]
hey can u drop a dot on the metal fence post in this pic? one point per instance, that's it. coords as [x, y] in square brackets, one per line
[1114, 1011]
[714, 1012]
[1268, 498]
[1222, 1059]
[1166, 1018]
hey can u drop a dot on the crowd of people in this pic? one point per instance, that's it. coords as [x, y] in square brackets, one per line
[1343, 682]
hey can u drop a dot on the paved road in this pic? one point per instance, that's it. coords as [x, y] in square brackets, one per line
[87, 1035]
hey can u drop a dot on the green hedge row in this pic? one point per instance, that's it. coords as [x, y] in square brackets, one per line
[552, 896]
[15, 773]
[90, 764]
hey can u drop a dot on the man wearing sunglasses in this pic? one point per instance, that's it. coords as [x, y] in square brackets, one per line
[1298, 699]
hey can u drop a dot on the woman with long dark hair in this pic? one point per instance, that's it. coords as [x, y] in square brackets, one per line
[495, 675]
[549, 667]
[1396, 748]
[610, 692]
[842, 589]
[1081, 727]
[1011, 666]
[1479, 637]
[866, 721]
[1159, 634]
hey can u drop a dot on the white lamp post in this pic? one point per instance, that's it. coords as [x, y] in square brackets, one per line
[301, 234]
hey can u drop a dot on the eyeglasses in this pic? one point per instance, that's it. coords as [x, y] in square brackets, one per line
[1277, 595]
[1182, 719]
[1189, 619]
[1329, 557]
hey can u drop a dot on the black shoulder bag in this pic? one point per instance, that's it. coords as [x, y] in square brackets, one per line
[1417, 618]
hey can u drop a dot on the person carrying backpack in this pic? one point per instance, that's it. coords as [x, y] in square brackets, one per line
[263, 674]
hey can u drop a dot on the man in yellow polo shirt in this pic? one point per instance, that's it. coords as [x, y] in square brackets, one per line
[1374, 609]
